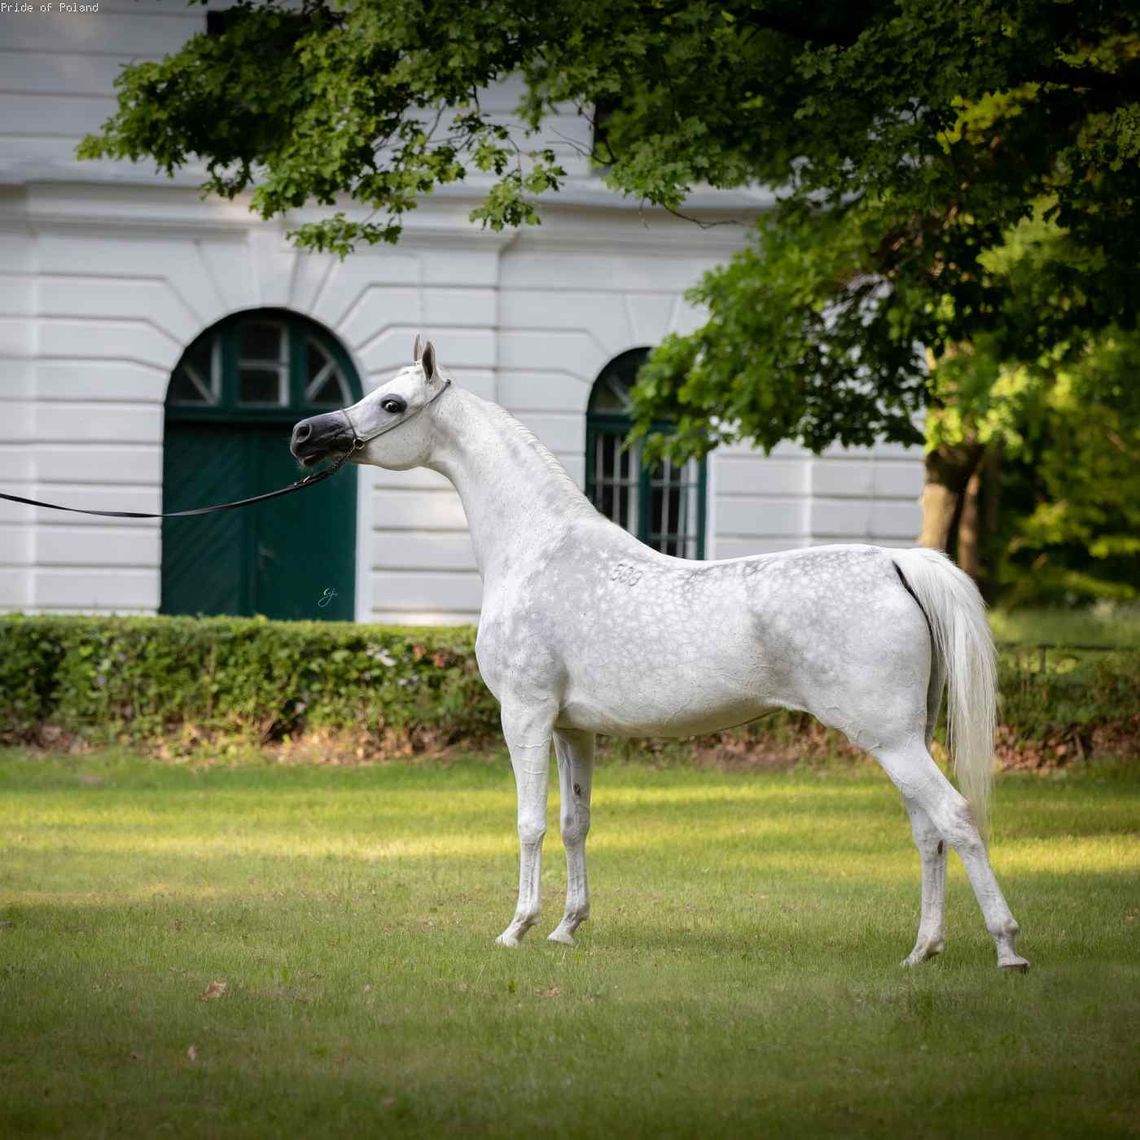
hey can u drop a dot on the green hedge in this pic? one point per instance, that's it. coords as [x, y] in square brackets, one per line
[138, 680]
[1043, 692]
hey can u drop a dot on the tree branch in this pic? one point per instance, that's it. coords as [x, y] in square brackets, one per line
[793, 26]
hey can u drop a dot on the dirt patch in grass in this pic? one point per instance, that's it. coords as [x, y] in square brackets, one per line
[780, 742]
[193, 745]
[1069, 745]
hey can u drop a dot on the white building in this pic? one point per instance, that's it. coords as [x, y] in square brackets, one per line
[108, 274]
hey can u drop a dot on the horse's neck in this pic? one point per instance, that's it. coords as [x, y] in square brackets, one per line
[516, 495]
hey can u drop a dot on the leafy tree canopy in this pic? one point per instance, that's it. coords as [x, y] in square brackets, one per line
[957, 184]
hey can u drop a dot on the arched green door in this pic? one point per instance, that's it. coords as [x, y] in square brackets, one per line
[230, 409]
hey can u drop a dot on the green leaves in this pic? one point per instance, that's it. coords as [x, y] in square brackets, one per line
[947, 123]
[786, 354]
[958, 215]
[511, 201]
[227, 101]
[373, 101]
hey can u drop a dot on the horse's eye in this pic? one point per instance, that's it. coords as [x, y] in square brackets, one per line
[393, 405]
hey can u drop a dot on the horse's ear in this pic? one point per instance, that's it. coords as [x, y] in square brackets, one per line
[417, 350]
[427, 360]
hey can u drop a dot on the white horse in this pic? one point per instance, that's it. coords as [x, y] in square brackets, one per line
[584, 630]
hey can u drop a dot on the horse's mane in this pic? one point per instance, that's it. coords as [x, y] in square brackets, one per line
[561, 475]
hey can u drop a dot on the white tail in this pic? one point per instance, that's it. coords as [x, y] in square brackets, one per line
[963, 641]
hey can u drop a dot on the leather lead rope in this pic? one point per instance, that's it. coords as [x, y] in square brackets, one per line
[300, 485]
[358, 442]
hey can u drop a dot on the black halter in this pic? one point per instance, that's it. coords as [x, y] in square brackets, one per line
[358, 441]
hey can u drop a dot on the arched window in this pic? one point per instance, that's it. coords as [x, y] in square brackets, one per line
[260, 363]
[662, 504]
[230, 408]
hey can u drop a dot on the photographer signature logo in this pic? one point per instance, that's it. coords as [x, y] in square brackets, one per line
[327, 597]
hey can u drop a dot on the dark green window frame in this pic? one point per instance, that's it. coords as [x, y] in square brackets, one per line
[206, 384]
[663, 505]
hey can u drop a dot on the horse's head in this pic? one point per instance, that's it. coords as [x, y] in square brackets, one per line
[385, 428]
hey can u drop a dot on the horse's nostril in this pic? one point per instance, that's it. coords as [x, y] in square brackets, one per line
[302, 432]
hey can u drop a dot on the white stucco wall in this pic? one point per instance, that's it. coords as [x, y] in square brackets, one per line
[107, 273]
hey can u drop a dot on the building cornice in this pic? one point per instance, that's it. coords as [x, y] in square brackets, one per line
[583, 215]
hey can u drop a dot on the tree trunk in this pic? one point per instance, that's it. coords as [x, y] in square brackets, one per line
[948, 471]
[989, 507]
[969, 526]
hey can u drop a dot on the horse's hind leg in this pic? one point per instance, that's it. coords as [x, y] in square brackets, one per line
[575, 752]
[932, 848]
[918, 778]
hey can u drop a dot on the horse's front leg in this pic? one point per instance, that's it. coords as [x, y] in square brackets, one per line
[528, 738]
[575, 752]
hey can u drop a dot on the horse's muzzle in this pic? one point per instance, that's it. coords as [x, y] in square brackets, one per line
[318, 437]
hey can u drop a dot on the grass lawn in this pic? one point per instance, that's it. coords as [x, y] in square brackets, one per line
[739, 976]
[1112, 626]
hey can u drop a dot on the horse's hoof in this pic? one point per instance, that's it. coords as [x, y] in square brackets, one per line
[1015, 965]
[507, 939]
[922, 954]
[562, 936]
